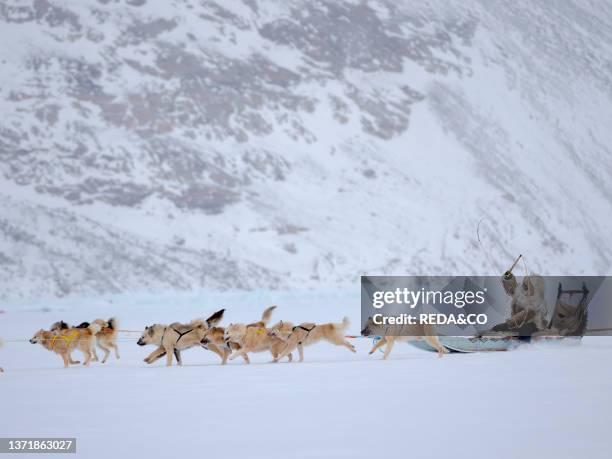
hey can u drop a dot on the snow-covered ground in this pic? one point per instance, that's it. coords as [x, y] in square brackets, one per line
[536, 401]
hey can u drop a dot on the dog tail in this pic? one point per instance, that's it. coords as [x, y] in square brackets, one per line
[214, 319]
[267, 314]
[113, 324]
[94, 329]
[346, 323]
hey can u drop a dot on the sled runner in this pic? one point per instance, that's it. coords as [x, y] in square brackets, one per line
[479, 344]
[466, 344]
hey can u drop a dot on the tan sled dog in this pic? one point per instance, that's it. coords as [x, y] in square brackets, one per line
[219, 337]
[404, 333]
[65, 341]
[215, 336]
[106, 338]
[259, 339]
[174, 338]
[307, 333]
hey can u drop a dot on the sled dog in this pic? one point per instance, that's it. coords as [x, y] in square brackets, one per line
[253, 338]
[417, 332]
[63, 342]
[106, 338]
[174, 338]
[220, 338]
[308, 333]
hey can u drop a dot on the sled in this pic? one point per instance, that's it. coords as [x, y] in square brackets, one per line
[467, 344]
[424, 346]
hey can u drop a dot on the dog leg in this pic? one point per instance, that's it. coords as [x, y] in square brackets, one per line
[301, 351]
[66, 360]
[94, 354]
[433, 341]
[73, 362]
[169, 353]
[378, 344]
[87, 355]
[290, 357]
[177, 354]
[240, 353]
[246, 358]
[349, 346]
[220, 352]
[106, 353]
[156, 354]
[390, 342]
[116, 348]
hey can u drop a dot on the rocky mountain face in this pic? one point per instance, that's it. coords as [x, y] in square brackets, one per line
[263, 144]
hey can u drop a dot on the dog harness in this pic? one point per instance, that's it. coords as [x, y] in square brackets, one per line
[307, 330]
[67, 338]
[227, 343]
[181, 334]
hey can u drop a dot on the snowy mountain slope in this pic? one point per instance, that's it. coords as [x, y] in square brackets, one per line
[281, 144]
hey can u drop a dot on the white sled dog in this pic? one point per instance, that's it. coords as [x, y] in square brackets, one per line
[404, 333]
[172, 339]
[308, 333]
[106, 338]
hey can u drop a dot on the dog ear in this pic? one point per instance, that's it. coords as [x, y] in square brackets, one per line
[215, 318]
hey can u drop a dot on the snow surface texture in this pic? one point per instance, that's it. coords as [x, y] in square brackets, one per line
[544, 401]
[262, 144]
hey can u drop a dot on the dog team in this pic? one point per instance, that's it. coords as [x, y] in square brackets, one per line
[239, 340]
[236, 340]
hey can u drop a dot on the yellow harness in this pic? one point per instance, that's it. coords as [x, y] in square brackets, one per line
[67, 338]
